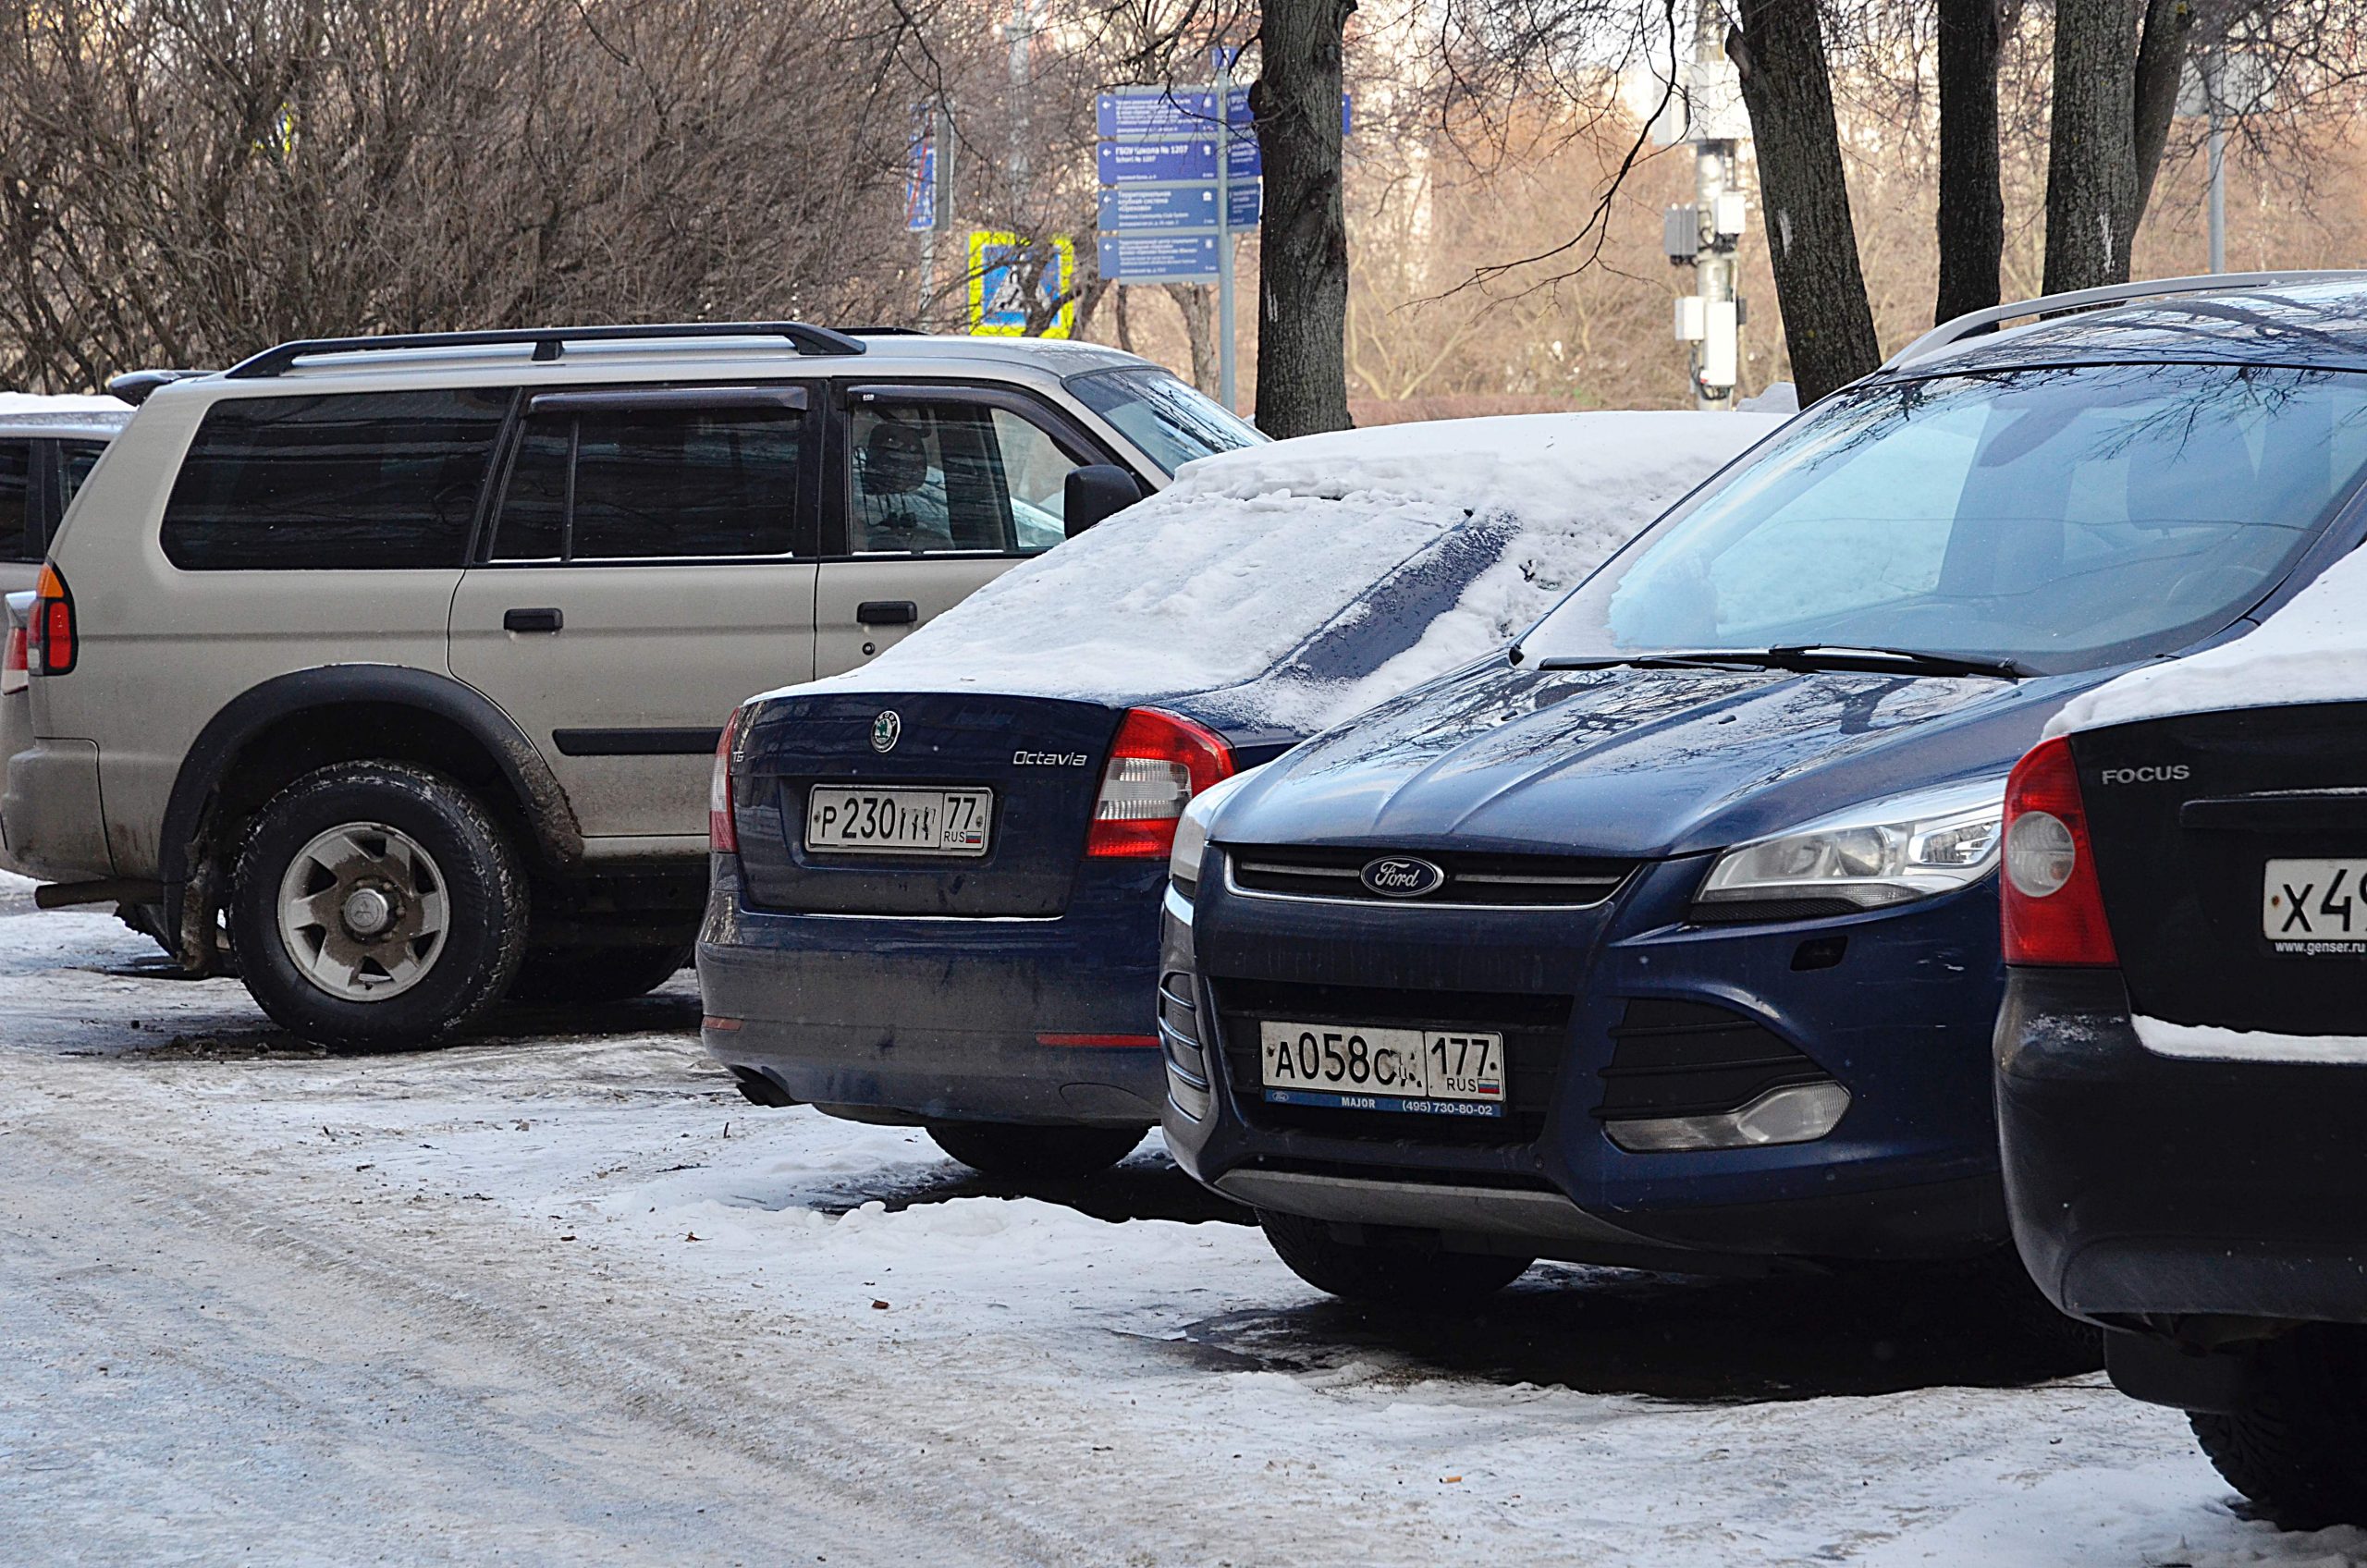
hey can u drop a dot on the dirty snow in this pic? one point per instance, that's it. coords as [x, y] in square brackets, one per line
[2209, 1043]
[556, 1296]
[1214, 581]
[2314, 650]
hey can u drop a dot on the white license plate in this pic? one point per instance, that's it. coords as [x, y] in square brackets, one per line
[898, 822]
[1442, 1072]
[2315, 907]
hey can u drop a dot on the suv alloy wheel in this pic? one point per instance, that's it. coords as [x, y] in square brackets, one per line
[376, 905]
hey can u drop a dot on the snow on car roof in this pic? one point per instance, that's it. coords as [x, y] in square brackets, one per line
[1215, 580]
[29, 409]
[2313, 650]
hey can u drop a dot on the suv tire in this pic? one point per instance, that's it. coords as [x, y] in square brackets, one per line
[558, 976]
[376, 905]
[1025, 1152]
[2298, 1449]
[1424, 1277]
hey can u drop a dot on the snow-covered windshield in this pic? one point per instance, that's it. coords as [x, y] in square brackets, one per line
[2060, 518]
[1168, 422]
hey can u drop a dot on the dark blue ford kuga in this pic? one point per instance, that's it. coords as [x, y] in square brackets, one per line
[1669, 935]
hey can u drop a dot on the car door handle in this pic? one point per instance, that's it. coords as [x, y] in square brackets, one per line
[887, 612]
[544, 619]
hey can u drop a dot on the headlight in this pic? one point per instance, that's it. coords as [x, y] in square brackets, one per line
[1885, 852]
[1192, 831]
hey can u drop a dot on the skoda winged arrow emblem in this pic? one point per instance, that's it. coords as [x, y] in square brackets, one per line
[885, 729]
[1401, 877]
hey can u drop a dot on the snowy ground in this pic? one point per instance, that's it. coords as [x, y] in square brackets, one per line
[557, 1295]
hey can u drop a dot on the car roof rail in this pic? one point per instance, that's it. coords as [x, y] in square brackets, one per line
[1965, 326]
[548, 342]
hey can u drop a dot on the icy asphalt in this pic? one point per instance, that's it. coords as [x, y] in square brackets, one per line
[556, 1296]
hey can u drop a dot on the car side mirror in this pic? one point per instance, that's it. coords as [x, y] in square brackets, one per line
[1095, 492]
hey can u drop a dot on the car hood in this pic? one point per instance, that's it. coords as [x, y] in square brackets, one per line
[1645, 763]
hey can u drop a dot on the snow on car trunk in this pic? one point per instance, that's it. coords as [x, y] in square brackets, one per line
[1221, 577]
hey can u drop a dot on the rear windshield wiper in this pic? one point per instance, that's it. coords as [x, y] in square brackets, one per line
[1798, 656]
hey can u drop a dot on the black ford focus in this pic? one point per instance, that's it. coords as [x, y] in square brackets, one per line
[2182, 1054]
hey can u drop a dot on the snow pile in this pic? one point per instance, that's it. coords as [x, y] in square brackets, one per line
[1217, 580]
[2314, 650]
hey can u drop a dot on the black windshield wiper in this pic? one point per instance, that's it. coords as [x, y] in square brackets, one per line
[1798, 656]
[1671, 659]
[1821, 656]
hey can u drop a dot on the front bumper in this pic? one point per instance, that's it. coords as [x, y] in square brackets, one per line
[918, 1019]
[2148, 1187]
[1894, 1006]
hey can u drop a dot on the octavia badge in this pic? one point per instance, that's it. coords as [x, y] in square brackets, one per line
[1401, 877]
[885, 729]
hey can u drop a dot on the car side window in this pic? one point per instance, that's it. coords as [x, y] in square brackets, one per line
[655, 482]
[339, 481]
[938, 477]
[75, 461]
[16, 542]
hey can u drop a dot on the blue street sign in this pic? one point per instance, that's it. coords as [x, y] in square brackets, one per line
[1158, 258]
[1248, 200]
[1168, 209]
[920, 172]
[1246, 160]
[1133, 163]
[1134, 112]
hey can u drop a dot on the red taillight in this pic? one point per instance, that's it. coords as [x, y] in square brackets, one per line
[2053, 907]
[722, 834]
[1157, 764]
[50, 644]
[13, 668]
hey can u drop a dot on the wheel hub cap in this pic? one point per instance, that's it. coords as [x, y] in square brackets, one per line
[368, 912]
[363, 912]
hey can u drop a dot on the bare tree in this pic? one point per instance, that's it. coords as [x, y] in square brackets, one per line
[1972, 207]
[1302, 277]
[186, 180]
[1778, 47]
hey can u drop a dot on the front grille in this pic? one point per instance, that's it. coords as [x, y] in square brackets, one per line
[1508, 881]
[1536, 1031]
[1692, 1058]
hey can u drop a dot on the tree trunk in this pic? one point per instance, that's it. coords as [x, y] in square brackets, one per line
[1303, 260]
[1785, 85]
[2092, 190]
[1973, 202]
[2160, 57]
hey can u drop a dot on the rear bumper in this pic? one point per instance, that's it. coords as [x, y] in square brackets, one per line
[1901, 1020]
[51, 818]
[2146, 1186]
[904, 1018]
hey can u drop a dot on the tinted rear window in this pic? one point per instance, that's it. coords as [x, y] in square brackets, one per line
[653, 484]
[358, 480]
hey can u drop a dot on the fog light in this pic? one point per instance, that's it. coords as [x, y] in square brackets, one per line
[1800, 1113]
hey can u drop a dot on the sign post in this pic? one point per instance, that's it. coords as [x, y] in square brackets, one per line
[1182, 176]
[924, 188]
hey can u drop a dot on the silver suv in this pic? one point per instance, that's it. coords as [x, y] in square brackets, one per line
[388, 670]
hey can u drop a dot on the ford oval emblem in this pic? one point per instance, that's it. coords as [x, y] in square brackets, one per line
[1401, 877]
[885, 729]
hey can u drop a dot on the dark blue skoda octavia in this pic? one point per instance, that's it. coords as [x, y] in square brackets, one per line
[1669, 936]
